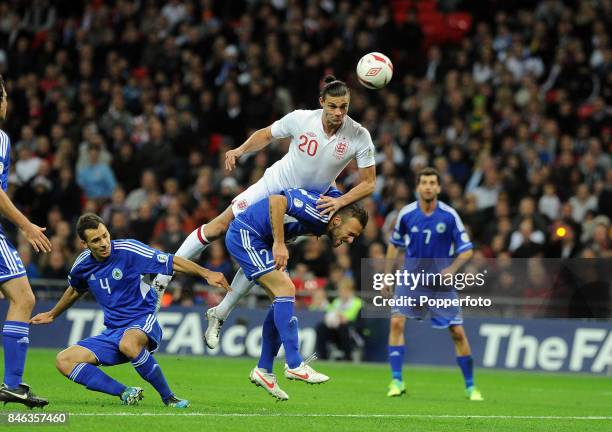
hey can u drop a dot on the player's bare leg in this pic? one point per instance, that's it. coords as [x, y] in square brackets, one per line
[397, 349]
[135, 345]
[79, 364]
[15, 335]
[195, 244]
[465, 361]
[218, 226]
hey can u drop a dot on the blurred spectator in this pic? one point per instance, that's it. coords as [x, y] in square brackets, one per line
[56, 267]
[27, 165]
[339, 321]
[148, 184]
[172, 236]
[67, 194]
[218, 260]
[96, 178]
[549, 204]
[582, 202]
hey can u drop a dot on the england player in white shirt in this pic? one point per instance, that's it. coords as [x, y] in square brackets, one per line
[323, 143]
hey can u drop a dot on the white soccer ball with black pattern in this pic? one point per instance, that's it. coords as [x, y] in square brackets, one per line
[374, 70]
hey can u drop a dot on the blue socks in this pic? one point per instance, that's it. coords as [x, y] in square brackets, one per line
[94, 379]
[396, 360]
[287, 326]
[466, 364]
[148, 368]
[15, 340]
[270, 343]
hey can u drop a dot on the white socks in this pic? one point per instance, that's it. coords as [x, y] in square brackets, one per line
[241, 286]
[191, 248]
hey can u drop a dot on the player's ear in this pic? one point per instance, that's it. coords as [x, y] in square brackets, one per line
[321, 102]
[337, 220]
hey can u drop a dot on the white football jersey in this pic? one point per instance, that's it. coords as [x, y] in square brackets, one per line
[314, 160]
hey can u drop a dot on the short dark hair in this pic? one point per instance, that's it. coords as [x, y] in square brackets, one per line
[354, 210]
[87, 221]
[429, 171]
[1, 89]
[334, 87]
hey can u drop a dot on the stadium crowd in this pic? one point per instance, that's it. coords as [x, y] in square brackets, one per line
[126, 108]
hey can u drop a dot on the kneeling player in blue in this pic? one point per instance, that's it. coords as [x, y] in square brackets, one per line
[256, 239]
[435, 240]
[112, 271]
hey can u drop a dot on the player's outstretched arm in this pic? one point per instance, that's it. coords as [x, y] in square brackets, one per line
[278, 207]
[70, 296]
[182, 265]
[255, 142]
[365, 187]
[33, 233]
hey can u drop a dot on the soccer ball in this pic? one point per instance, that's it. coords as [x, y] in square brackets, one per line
[374, 70]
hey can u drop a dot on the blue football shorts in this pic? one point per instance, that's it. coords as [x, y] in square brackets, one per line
[105, 346]
[424, 302]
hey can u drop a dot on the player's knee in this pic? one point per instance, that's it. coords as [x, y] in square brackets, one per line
[64, 363]
[397, 325]
[129, 348]
[26, 301]
[457, 333]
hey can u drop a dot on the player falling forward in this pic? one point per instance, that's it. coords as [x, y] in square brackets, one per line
[14, 284]
[111, 270]
[256, 240]
[323, 142]
[429, 229]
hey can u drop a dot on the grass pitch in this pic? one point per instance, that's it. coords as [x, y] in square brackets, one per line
[223, 399]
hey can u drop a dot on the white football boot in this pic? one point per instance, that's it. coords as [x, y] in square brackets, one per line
[261, 378]
[306, 373]
[213, 331]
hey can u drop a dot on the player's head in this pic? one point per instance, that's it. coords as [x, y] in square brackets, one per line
[347, 224]
[334, 99]
[3, 100]
[94, 235]
[428, 184]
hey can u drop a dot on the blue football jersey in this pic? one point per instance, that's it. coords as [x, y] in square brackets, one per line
[116, 282]
[301, 217]
[440, 235]
[5, 159]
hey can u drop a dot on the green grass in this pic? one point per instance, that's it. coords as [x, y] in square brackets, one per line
[354, 400]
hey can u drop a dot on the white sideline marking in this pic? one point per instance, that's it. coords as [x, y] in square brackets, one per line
[364, 416]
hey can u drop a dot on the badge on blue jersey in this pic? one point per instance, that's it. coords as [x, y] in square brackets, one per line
[441, 227]
[298, 203]
[162, 258]
[117, 274]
